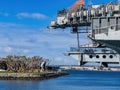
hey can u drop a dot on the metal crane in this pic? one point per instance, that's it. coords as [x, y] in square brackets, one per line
[76, 5]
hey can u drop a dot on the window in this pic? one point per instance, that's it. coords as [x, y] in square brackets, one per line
[90, 56]
[111, 56]
[97, 56]
[104, 56]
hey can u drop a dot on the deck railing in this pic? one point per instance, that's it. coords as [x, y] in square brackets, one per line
[106, 29]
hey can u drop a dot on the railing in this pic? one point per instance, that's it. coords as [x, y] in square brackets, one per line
[106, 29]
[72, 49]
[93, 50]
[82, 49]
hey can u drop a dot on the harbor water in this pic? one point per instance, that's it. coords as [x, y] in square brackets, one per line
[77, 80]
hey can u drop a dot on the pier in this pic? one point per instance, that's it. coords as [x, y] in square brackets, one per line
[91, 68]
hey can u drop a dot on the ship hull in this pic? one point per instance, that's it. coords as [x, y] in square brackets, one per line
[114, 44]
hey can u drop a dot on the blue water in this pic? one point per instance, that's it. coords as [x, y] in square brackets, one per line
[77, 80]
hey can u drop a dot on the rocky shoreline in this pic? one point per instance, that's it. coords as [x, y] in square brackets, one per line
[27, 76]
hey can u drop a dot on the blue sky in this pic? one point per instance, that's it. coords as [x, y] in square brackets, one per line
[23, 29]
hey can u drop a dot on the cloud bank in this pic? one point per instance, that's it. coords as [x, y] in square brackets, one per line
[18, 40]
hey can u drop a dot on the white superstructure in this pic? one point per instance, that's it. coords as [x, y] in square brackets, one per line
[104, 22]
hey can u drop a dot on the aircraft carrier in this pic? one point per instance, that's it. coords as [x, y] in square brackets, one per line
[102, 23]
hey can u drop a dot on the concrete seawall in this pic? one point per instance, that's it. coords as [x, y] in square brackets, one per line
[26, 76]
[87, 68]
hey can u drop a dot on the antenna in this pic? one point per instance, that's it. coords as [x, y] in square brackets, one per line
[89, 4]
[76, 5]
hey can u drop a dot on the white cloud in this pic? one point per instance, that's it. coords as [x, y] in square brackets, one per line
[58, 59]
[7, 49]
[26, 51]
[25, 41]
[31, 15]
[25, 15]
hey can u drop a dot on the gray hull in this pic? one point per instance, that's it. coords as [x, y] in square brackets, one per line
[114, 44]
